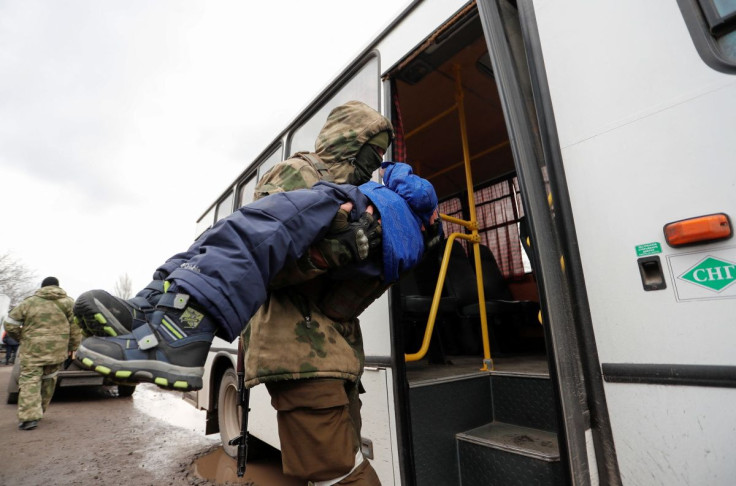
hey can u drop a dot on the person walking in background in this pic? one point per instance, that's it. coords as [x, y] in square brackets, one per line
[11, 348]
[44, 325]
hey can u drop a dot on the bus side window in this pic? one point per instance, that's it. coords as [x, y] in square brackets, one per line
[224, 207]
[265, 166]
[205, 222]
[712, 26]
[362, 86]
[245, 192]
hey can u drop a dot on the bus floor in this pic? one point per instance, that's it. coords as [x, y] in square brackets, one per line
[423, 373]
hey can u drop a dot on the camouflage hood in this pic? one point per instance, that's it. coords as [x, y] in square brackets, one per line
[50, 292]
[347, 129]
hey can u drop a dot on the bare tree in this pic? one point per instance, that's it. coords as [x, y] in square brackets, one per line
[123, 287]
[16, 279]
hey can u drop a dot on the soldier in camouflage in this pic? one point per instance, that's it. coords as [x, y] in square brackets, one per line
[305, 343]
[302, 339]
[44, 326]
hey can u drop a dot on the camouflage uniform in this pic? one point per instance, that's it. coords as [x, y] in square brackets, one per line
[313, 345]
[44, 326]
[308, 328]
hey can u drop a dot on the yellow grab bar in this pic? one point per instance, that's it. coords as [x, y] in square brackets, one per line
[474, 238]
[437, 295]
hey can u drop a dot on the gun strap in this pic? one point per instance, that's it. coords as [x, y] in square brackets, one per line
[318, 165]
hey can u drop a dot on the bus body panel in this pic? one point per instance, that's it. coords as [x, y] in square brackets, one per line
[644, 144]
[605, 74]
[262, 417]
[377, 414]
[672, 435]
[625, 186]
[375, 328]
[645, 130]
[220, 349]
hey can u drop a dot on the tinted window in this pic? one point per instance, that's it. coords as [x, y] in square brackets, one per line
[712, 25]
[720, 15]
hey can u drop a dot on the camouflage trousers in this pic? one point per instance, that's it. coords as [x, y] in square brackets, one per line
[319, 428]
[37, 384]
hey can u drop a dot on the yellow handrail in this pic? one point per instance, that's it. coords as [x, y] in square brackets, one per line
[474, 238]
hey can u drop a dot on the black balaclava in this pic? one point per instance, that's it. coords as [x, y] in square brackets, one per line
[368, 159]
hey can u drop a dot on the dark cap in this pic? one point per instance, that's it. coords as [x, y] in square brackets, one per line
[50, 281]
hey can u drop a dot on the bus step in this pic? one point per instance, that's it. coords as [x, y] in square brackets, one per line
[526, 401]
[505, 454]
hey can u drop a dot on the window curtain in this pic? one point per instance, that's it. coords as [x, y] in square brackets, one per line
[399, 144]
[498, 218]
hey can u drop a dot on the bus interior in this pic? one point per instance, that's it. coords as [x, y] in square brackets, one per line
[426, 87]
[453, 64]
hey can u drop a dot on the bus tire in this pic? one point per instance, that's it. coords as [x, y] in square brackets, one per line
[228, 411]
[126, 390]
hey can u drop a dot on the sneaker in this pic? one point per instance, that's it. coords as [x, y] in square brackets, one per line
[168, 348]
[99, 313]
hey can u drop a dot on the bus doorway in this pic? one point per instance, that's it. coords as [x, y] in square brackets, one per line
[485, 413]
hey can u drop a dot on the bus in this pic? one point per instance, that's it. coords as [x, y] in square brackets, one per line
[578, 325]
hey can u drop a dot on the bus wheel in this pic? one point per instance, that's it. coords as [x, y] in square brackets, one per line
[228, 411]
[126, 390]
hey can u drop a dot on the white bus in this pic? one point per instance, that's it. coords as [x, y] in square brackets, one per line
[599, 135]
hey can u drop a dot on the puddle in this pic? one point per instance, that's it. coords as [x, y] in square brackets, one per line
[219, 468]
[264, 467]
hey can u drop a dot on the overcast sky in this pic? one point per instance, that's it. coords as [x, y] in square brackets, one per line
[121, 121]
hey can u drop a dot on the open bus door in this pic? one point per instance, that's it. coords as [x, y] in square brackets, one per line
[635, 155]
[494, 407]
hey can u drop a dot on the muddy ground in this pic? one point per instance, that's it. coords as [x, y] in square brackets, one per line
[92, 436]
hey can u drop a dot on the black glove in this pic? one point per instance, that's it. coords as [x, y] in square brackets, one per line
[433, 236]
[347, 242]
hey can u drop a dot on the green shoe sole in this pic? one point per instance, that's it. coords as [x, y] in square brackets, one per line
[163, 375]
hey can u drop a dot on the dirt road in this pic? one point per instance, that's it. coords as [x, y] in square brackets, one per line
[91, 436]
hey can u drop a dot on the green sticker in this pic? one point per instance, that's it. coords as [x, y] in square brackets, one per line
[648, 249]
[712, 273]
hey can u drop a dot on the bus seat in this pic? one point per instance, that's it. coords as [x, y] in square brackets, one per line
[494, 284]
[460, 284]
[417, 291]
[506, 317]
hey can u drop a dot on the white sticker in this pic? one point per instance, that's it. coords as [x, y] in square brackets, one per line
[704, 275]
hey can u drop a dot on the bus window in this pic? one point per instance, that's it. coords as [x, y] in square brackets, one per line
[453, 207]
[499, 211]
[205, 222]
[363, 86]
[720, 15]
[498, 217]
[712, 25]
[245, 192]
[224, 207]
[272, 160]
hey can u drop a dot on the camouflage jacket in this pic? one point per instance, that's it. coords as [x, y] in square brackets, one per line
[291, 335]
[44, 326]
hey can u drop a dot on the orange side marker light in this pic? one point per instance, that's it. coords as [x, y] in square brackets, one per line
[702, 229]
